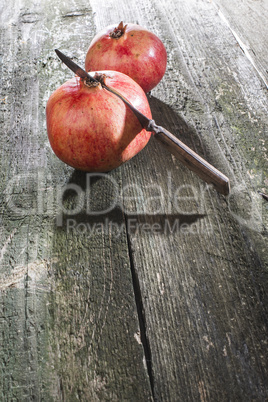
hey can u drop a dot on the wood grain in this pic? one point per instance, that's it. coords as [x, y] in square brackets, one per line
[248, 24]
[68, 319]
[170, 302]
[204, 284]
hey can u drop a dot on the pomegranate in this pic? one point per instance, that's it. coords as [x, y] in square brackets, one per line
[93, 130]
[130, 49]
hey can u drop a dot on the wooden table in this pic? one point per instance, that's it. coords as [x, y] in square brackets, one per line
[143, 283]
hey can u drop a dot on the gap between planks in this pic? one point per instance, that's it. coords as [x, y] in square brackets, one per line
[140, 311]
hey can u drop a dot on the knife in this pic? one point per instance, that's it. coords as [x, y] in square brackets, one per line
[182, 152]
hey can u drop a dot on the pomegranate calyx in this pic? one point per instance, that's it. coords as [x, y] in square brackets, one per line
[118, 31]
[89, 83]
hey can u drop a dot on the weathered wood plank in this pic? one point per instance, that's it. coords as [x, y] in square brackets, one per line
[68, 322]
[248, 22]
[203, 282]
[199, 263]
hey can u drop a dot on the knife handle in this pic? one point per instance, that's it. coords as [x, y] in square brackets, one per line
[190, 159]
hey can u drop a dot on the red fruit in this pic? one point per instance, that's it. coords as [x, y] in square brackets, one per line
[130, 49]
[92, 129]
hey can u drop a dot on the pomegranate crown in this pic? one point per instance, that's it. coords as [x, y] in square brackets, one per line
[118, 31]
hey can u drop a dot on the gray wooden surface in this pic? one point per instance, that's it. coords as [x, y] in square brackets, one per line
[163, 296]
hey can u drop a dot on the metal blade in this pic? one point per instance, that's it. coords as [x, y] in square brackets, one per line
[144, 121]
[74, 67]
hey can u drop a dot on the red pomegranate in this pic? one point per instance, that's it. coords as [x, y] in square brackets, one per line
[90, 128]
[130, 49]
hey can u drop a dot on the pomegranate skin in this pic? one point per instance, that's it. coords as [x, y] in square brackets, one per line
[138, 53]
[90, 128]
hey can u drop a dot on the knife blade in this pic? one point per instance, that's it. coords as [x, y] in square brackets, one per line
[181, 151]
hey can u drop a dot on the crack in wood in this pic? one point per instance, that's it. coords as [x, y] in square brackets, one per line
[141, 316]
